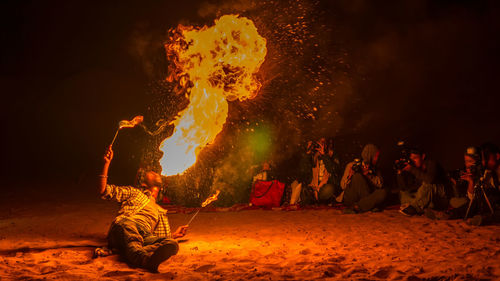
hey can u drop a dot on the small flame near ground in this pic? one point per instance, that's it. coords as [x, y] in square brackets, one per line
[212, 65]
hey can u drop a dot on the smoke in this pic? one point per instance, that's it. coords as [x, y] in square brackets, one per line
[213, 10]
[360, 72]
[299, 101]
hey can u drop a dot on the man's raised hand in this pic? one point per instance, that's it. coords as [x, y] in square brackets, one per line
[108, 155]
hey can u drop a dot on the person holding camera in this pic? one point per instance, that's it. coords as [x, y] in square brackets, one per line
[323, 172]
[463, 180]
[362, 182]
[478, 182]
[432, 179]
[406, 182]
[491, 161]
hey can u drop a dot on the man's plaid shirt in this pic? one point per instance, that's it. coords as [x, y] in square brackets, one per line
[132, 200]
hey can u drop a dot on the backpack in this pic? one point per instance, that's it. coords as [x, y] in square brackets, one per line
[267, 193]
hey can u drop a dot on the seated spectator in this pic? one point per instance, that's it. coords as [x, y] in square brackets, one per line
[476, 177]
[333, 166]
[302, 177]
[323, 173]
[406, 183]
[265, 174]
[431, 178]
[362, 182]
[491, 161]
[464, 180]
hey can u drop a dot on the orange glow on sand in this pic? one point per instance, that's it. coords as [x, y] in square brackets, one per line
[219, 63]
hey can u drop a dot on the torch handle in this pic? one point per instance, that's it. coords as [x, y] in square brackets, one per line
[114, 138]
[192, 218]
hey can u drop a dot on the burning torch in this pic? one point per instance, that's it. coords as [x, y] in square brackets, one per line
[127, 124]
[205, 203]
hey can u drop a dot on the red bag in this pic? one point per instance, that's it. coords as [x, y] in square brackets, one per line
[267, 193]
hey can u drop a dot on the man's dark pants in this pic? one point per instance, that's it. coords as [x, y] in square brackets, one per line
[134, 243]
[359, 192]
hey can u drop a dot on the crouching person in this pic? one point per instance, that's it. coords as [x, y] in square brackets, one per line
[431, 177]
[141, 232]
[362, 182]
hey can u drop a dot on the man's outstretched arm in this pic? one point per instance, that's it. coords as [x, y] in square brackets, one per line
[103, 180]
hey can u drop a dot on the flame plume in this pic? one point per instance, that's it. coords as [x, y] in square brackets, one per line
[213, 65]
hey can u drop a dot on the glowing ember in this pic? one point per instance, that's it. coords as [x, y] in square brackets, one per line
[218, 63]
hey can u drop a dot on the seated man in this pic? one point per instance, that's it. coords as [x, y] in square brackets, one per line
[406, 183]
[301, 177]
[491, 161]
[362, 182]
[265, 174]
[432, 179]
[140, 233]
[463, 183]
[323, 174]
[476, 177]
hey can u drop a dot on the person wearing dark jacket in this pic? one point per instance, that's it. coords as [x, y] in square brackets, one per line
[432, 178]
[324, 179]
[363, 186]
[317, 178]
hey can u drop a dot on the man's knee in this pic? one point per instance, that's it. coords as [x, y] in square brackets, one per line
[357, 178]
[380, 194]
[425, 188]
[326, 192]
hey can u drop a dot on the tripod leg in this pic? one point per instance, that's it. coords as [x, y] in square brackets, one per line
[468, 208]
[487, 201]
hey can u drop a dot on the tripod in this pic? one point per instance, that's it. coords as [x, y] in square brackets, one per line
[478, 193]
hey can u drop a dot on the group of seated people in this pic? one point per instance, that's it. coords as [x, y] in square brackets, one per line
[424, 187]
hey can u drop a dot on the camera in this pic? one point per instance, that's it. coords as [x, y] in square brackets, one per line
[315, 146]
[404, 158]
[477, 172]
[456, 174]
[357, 165]
[400, 164]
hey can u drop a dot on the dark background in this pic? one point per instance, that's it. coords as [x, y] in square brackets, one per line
[424, 71]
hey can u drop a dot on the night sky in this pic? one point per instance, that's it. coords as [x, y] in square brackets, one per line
[417, 70]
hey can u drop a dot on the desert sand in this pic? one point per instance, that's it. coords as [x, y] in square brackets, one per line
[48, 236]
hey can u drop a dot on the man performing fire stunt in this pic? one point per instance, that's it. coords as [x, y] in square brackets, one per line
[141, 232]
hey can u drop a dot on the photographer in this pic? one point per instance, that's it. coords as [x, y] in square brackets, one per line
[362, 182]
[463, 183]
[323, 179]
[431, 178]
[406, 182]
[476, 185]
[491, 161]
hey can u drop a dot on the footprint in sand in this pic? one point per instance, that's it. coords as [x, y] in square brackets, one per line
[205, 268]
[355, 271]
[116, 273]
[384, 272]
[336, 259]
[333, 270]
[305, 252]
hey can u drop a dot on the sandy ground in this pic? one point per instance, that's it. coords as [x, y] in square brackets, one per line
[47, 239]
